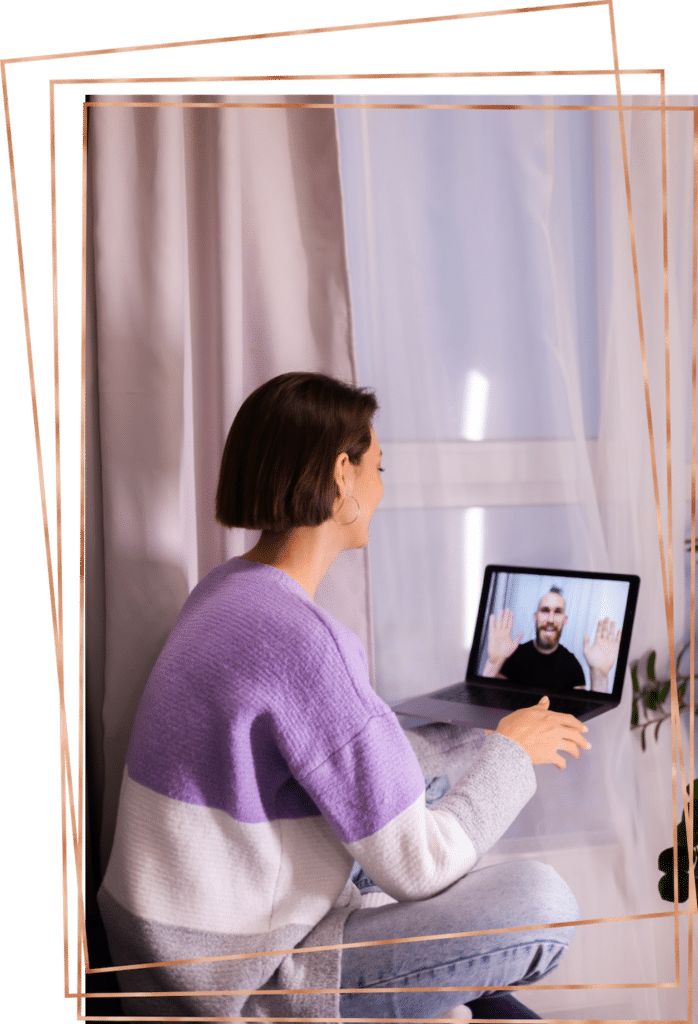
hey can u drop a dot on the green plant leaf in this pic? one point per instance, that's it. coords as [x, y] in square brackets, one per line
[633, 676]
[652, 701]
[650, 666]
[634, 714]
[664, 691]
[666, 887]
[665, 861]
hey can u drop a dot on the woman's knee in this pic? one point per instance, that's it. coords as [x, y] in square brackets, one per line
[548, 896]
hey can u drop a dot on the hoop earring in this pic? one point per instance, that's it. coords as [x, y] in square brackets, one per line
[358, 511]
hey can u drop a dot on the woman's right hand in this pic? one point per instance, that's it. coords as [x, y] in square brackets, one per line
[542, 733]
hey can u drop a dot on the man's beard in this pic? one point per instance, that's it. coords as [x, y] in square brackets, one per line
[548, 641]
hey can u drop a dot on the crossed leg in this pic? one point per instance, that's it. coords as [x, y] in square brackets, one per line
[503, 896]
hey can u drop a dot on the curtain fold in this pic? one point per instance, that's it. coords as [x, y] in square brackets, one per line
[219, 261]
[491, 250]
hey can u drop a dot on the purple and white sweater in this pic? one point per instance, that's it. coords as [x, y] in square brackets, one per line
[261, 765]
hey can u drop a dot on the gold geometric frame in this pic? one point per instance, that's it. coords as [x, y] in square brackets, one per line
[667, 571]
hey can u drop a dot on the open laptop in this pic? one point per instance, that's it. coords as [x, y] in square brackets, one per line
[540, 632]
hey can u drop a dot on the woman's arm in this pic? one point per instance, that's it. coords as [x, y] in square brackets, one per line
[445, 749]
[422, 851]
[371, 792]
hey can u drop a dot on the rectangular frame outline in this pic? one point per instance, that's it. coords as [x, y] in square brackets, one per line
[68, 791]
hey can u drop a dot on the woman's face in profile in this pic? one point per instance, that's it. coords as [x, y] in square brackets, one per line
[368, 489]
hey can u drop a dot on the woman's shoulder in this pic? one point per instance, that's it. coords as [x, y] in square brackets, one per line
[262, 609]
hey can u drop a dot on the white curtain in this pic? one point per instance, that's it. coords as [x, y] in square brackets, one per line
[218, 261]
[495, 314]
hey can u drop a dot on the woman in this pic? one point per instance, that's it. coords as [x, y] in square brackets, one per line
[262, 766]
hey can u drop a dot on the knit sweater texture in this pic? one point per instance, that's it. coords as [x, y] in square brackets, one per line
[261, 765]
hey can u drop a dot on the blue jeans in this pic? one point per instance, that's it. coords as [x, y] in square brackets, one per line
[503, 896]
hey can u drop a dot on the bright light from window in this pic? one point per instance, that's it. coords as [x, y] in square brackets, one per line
[473, 569]
[477, 389]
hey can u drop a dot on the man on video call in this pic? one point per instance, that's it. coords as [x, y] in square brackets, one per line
[543, 660]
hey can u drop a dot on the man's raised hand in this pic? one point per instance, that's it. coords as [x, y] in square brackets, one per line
[500, 643]
[601, 655]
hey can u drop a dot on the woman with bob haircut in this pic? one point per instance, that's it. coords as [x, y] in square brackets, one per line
[263, 773]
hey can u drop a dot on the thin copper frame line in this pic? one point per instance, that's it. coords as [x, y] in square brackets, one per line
[677, 741]
[56, 382]
[361, 106]
[62, 768]
[666, 984]
[58, 581]
[689, 1007]
[81, 627]
[677, 738]
[676, 744]
[63, 786]
[613, 38]
[633, 247]
[667, 605]
[144, 104]
[586, 986]
[61, 81]
[372, 1020]
[371, 76]
[65, 744]
[362, 76]
[691, 699]
[309, 31]
[362, 991]
[641, 329]
[667, 374]
[86, 104]
[30, 360]
[385, 942]
[349, 76]
[694, 332]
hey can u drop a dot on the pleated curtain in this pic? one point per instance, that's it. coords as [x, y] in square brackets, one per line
[217, 261]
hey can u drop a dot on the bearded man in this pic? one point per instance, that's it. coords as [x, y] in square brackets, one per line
[543, 660]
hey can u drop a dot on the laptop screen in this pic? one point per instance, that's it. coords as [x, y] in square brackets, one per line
[553, 629]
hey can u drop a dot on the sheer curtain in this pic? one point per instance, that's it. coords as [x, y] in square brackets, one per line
[217, 261]
[495, 314]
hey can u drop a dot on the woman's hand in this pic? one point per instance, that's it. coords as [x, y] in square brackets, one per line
[542, 733]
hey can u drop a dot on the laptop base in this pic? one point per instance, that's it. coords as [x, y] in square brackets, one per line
[469, 704]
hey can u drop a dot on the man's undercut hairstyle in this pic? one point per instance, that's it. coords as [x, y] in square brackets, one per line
[277, 469]
[553, 590]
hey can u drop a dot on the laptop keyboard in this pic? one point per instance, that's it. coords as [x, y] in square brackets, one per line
[513, 701]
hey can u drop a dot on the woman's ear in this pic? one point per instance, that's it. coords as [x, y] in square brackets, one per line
[343, 473]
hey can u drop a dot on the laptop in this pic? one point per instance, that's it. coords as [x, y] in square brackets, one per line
[540, 632]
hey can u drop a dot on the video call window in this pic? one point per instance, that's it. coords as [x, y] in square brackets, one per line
[553, 610]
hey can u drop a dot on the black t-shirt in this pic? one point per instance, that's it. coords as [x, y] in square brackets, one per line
[558, 671]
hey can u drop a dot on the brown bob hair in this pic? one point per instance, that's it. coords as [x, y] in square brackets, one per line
[277, 469]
